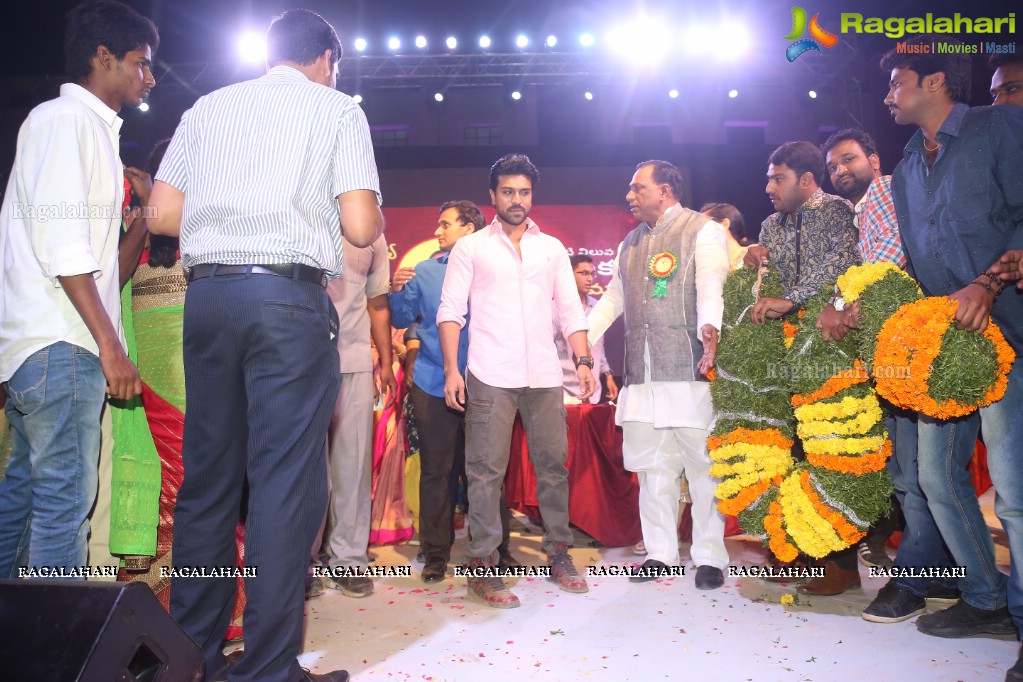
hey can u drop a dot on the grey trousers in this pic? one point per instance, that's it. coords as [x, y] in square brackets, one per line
[490, 416]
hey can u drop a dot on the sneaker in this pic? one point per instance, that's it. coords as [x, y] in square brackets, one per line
[894, 604]
[872, 555]
[352, 586]
[963, 620]
[942, 594]
[489, 589]
[563, 571]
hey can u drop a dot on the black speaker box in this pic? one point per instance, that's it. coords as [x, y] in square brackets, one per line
[72, 631]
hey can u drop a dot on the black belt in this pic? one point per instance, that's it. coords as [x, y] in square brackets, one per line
[305, 273]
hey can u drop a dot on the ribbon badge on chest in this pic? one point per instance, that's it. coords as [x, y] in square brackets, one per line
[662, 267]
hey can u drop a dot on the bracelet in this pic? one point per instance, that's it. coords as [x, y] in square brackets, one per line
[986, 286]
[997, 283]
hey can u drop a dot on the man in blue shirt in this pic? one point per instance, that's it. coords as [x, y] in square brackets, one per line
[958, 195]
[415, 294]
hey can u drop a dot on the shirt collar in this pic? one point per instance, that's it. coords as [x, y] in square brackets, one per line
[282, 72]
[949, 127]
[666, 217]
[108, 115]
[496, 229]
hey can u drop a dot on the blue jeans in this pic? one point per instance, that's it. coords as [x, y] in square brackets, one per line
[945, 450]
[921, 545]
[54, 402]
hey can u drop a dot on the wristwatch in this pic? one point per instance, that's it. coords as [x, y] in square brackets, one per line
[584, 360]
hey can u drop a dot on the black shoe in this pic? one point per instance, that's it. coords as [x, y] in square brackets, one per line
[1015, 673]
[352, 586]
[709, 578]
[434, 570]
[942, 594]
[894, 604]
[652, 569]
[313, 587]
[963, 620]
[232, 660]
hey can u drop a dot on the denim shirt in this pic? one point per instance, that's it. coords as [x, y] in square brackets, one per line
[419, 300]
[958, 217]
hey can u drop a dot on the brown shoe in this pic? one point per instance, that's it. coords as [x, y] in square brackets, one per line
[484, 583]
[780, 567]
[835, 580]
[563, 571]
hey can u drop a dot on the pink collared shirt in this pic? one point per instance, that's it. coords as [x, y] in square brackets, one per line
[510, 341]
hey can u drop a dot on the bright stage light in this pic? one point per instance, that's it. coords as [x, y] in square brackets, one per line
[484, 42]
[252, 48]
[516, 95]
[552, 41]
[360, 44]
[521, 41]
[144, 107]
[733, 41]
[393, 43]
[644, 41]
[812, 94]
[438, 97]
[420, 42]
[700, 40]
[673, 93]
[733, 93]
[451, 42]
[588, 95]
[586, 40]
[357, 99]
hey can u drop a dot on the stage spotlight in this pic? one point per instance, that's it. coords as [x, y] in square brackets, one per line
[586, 40]
[812, 94]
[451, 42]
[516, 95]
[438, 97]
[733, 41]
[360, 44]
[420, 42]
[357, 99]
[644, 42]
[588, 95]
[733, 93]
[521, 41]
[673, 93]
[393, 44]
[484, 42]
[252, 48]
[144, 107]
[552, 41]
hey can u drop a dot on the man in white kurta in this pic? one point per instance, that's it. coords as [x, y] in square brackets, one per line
[672, 318]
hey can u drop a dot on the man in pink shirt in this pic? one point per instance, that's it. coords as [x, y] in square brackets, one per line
[513, 272]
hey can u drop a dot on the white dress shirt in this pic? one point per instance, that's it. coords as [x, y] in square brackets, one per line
[61, 216]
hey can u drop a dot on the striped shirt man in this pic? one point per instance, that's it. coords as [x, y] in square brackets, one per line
[236, 209]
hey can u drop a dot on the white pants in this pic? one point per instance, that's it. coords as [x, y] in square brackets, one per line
[351, 471]
[659, 457]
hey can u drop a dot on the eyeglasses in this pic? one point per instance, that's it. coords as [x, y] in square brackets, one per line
[586, 273]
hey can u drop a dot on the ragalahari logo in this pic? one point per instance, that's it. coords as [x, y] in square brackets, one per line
[818, 36]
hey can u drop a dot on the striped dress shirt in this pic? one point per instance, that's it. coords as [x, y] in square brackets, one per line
[261, 164]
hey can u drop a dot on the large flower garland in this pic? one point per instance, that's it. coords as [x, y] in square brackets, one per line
[794, 379]
[826, 502]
